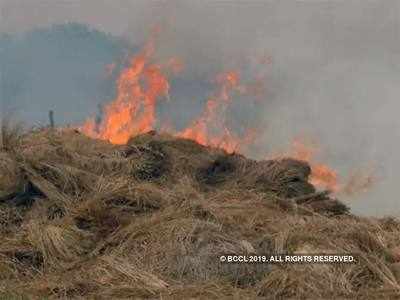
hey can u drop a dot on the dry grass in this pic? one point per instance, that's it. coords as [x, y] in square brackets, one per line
[81, 218]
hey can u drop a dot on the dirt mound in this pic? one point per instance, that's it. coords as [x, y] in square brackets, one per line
[149, 219]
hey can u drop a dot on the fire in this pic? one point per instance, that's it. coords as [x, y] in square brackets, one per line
[324, 176]
[143, 83]
[321, 175]
[132, 112]
[210, 128]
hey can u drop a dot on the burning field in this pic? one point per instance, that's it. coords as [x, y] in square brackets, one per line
[129, 205]
[134, 163]
[83, 217]
[144, 83]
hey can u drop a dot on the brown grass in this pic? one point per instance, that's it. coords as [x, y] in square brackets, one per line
[80, 218]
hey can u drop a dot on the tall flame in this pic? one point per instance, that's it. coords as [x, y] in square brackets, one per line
[143, 83]
[132, 112]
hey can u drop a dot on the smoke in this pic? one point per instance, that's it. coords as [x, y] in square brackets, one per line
[62, 68]
[333, 74]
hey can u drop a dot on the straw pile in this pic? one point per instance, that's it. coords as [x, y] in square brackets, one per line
[81, 218]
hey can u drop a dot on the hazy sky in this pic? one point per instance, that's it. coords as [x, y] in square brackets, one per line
[335, 72]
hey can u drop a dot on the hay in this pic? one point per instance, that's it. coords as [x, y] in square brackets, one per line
[81, 218]
[10, 175]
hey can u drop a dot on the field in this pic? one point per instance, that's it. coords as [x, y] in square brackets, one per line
[82, 218]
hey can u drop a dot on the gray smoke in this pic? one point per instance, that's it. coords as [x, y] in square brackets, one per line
[334, 74]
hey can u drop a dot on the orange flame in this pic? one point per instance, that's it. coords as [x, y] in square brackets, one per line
[321, 175]
[133, 110]
[143, 83]
[140, 86]
[210, 128]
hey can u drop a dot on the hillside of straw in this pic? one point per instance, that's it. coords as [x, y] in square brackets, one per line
[81, 218]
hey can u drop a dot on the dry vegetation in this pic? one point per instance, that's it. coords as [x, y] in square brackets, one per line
[81, 218]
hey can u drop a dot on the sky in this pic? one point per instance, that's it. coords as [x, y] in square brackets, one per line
[333, 76]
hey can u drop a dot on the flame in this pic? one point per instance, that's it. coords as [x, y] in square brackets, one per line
[132, 112]
[143, 83]
[321, 175]
[210, 128]
[324, 176]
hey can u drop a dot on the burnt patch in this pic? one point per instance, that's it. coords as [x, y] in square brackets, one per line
[83, 223]
[296, 188]
[27, 258]
[104, 224]
[218, 171]
[23, 198]
[329, 206]
[32, 258]
[107, 224]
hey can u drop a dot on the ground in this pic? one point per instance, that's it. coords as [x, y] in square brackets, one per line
[82, 218]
